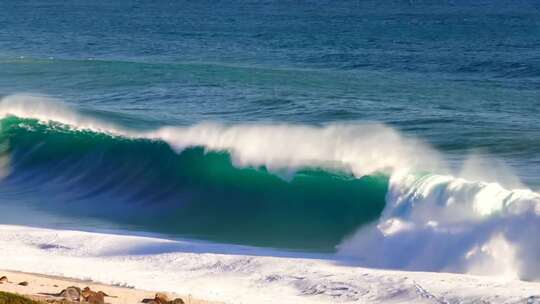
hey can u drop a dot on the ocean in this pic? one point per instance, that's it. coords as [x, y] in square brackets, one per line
[383, 131]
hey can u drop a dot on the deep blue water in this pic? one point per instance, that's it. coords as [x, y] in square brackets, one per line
[461, 76]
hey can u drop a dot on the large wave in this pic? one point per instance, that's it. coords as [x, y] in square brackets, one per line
[281, 185]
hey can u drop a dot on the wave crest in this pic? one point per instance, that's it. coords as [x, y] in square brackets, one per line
[361, 149]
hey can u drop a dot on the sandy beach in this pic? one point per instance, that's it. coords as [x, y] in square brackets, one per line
[43, 287]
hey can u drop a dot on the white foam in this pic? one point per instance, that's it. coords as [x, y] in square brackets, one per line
[443, 223]
[48, 109]
[241, 275]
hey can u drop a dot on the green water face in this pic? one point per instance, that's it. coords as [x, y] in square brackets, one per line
[146, 186]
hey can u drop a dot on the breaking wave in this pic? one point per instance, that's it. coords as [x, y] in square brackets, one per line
[383, 198]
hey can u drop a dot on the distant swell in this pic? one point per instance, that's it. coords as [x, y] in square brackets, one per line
[365, 190]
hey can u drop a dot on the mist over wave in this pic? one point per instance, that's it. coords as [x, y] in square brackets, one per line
[333, 181]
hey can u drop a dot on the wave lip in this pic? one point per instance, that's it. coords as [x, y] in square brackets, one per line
[361, 149]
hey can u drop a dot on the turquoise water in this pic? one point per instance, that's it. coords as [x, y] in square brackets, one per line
[462, 77]
[146, 186]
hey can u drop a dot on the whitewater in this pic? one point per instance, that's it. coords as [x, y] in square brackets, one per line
[435, 218]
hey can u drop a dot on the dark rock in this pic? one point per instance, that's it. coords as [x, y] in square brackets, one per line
[95, 298]
[4, 279]
[161, 298]
[177, 301]
[23, 283]
[86, 292]
[71, 293]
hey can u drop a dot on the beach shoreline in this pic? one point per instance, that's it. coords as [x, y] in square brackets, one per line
[181, 269]
[42, 287]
